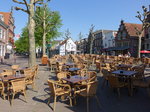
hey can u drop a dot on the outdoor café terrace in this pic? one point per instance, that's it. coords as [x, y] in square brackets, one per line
[76, 83]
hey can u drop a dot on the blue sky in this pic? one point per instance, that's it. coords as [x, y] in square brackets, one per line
[78, 15]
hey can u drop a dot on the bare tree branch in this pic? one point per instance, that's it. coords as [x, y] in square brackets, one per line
[139, 16]
[38, 2]
[18, 8]
[27, 5]
[18, 2]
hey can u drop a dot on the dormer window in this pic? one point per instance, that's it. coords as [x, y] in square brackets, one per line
[121, 27]
[119, 36]
[1, 17]
[124, 35]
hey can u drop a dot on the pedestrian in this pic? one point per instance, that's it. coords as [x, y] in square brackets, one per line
[129, 55]
[1, 59]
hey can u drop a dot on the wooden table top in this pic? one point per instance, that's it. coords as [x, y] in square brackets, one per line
[124, 65]
[12, 77]
[75, 79]
[124, 72]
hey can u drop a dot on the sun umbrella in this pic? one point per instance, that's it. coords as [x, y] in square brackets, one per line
[144, 51]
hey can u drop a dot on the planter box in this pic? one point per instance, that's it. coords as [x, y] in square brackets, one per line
[44, 60]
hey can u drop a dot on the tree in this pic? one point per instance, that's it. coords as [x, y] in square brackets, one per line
[80, 36]
[67, 36]
[30, 6]
[145, 24]
[91, 37]
[22, 44]
[47, 25]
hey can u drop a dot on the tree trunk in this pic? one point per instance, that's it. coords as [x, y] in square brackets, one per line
[139, 46]
[31, 27]
[44, 42]
[44, 34]
[91, 44]
[65, 48]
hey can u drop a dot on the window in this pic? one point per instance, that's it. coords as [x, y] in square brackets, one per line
[126, 43]
[119, 36]
[124, 35]
[147, 46]
[121, 27]
[119, 44]
[1, 33]
[1, 17]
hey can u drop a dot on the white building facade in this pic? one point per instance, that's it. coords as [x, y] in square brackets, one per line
[109, 39]
[67, 46]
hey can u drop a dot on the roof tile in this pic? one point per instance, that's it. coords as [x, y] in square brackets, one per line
[130, 27]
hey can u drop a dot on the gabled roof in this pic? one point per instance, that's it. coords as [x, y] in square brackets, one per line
[7, 16]
[3, 24]
[63, 42]
[130, 27]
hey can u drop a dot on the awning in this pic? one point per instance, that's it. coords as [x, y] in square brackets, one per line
[144, 51]
[118, 48]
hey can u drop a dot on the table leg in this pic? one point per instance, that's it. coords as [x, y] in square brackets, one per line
[130, 87]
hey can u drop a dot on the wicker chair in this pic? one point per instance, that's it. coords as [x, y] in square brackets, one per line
[57, 89]
[92, 76]
[30, 79]
[6, 73]
[18, 86]
[36, 69]
[89, 91]
[54, 67]
[27, 71]
[140, 71]
[142, 84]
[115, 83]
[105, 74]
[2, 89]
[62, 75]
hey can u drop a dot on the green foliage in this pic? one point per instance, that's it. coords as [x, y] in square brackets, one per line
[52, 22]
[22, 44]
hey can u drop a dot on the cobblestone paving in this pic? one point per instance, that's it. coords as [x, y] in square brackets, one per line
[37, 99]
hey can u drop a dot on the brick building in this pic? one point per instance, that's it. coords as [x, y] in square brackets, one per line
[6, 33]
[127, 39]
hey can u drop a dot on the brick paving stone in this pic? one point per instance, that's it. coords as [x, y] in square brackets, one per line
[37, 100]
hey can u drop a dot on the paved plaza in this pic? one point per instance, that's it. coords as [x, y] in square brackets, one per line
[37, 99]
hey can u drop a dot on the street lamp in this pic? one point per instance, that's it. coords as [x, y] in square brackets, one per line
[48, 46]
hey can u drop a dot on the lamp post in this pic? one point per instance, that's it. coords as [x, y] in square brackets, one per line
[48, 46]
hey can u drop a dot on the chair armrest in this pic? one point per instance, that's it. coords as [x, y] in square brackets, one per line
[63, 85]
[78, 91]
